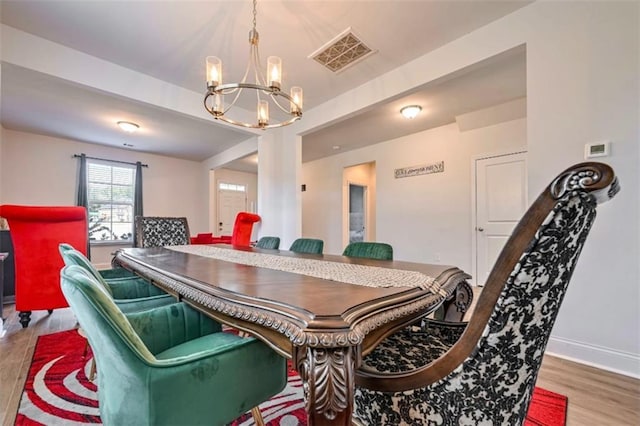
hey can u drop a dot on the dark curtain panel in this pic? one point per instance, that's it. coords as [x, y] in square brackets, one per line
[137, 199]
[82, 196]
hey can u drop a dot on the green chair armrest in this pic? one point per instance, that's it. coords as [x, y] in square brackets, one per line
[128, 306]
[171, 325]
[205, 346]
[133, 288]
[109, 274]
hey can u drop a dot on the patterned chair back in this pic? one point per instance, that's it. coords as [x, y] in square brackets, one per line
[488, 375]
[161, 231]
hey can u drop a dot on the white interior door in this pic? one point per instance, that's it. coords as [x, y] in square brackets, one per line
[501, 200]
[230, 203]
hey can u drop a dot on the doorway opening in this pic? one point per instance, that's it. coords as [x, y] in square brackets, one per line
[357, 212]
[359, 193]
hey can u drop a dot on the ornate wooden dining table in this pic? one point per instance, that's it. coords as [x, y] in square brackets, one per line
[325, 312]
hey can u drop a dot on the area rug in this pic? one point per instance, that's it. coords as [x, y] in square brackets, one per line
[58, 392]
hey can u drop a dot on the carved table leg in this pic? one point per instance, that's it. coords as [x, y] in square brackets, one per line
[328, 377]
[454, 308]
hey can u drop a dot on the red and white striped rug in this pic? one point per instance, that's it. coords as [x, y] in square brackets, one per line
[57, 392]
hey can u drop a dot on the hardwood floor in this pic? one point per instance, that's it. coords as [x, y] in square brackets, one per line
[16, 351]
[596, 397]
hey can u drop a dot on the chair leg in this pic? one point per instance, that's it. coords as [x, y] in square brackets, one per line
[25, 317]
[92, 370]
[257, 416]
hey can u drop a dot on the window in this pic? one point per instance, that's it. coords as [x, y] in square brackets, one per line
[111, 190]
[232, 187]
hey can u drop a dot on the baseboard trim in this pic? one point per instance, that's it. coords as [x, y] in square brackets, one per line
[625, 363]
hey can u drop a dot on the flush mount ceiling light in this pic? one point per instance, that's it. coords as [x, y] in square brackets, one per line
[267, 90]
[128, 126]
[411, 111]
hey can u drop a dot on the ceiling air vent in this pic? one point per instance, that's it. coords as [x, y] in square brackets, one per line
[343, 51]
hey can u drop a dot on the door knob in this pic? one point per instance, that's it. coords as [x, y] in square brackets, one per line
[480, 229]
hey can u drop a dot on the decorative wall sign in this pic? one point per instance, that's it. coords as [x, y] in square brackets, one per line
[419, 170]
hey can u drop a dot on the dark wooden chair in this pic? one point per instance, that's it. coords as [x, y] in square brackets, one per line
[485, 372]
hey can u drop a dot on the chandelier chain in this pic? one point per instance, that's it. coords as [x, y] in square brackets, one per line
[255, 13]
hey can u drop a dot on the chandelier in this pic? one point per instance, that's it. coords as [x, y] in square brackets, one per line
[267, 90]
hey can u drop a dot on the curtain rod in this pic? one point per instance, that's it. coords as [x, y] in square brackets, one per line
[104, 159]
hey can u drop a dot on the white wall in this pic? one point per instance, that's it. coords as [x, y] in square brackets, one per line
[279, 197]
[582, 87]
[425, 218]
[40, 170]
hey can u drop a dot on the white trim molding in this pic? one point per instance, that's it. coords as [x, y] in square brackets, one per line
[625, 363]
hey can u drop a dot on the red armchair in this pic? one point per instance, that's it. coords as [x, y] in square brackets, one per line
[207, 238]
[36, 233]
[242, 229]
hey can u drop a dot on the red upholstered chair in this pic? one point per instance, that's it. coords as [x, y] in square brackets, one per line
[36, 233]
[202, 238]
[242, 228]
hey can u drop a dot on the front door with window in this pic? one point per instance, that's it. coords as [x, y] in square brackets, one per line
[230, 203]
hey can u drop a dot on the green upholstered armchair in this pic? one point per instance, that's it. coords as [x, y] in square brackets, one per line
[307, 245]
[129, 294]
[169, 365]
[272, 243]
[370, 250]
[107, 274]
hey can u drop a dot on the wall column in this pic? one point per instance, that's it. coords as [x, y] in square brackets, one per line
[279, 169]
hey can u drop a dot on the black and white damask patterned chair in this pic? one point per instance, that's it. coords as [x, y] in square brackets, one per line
[485, 372]
[152, 231]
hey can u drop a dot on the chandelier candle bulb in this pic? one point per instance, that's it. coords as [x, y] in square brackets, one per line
[296, 102]
[263, 113]
[274, 71]
[214, 71]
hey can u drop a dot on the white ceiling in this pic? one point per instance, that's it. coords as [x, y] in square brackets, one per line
[169, 40]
